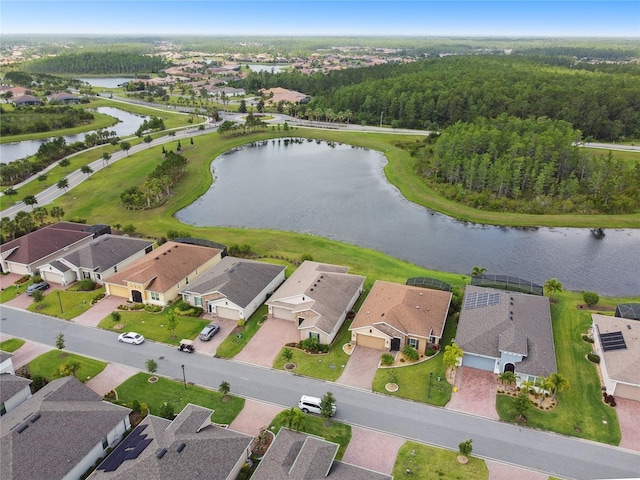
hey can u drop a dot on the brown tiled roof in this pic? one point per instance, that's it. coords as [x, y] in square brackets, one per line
[45, 241]
[411, 310]
[165, 267]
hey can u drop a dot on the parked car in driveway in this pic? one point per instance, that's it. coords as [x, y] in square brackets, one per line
[209, 331]
[131, 337]
[34, 287]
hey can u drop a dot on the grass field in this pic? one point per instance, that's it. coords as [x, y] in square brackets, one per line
[155, 394]
[11, 345]
[416, 461]
[64, 303]
[232, 345]
[47, 365]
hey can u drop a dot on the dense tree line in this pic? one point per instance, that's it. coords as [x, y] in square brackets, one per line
[434, 94]
[26, 222]
[529, 166]
[97, 63]
[42, 119]
[159, 183]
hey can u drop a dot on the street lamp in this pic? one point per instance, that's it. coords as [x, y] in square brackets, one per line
[381, 118]
[429, 391]
[184, 379]
[60, 302]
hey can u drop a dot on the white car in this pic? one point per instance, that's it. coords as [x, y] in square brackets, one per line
[131, 337]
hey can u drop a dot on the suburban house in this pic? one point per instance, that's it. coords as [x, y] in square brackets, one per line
[296, 455]
[98, 260]
[505, 331]
[157, 277]
[59, 432]
[617, 342]
[190, 446]
[64, 97]
[628, 310]
[13, 390]
[26, 101]
[317, 297]
[26, 254]
[234, 288]
[394, 315]
[279, 94]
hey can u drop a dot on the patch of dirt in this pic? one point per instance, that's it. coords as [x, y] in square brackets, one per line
[290, 366]
[118, 326]
[261, 443]
[225, 398]
[152, 379]
[598, 308]
[462, 459]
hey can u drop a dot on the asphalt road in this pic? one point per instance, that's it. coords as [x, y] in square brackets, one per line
[551, 453]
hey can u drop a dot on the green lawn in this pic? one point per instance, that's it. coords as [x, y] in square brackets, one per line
[153, 326]
[73, 303]
[580, 411]
[336, 432]
[170, 391]
[417, 461]
[324, 366]
[12, 291]
[48, 363]
[232, 345]
[11, 345]
[413, 380]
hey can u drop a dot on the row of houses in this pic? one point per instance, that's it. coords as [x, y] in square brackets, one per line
[21, 97]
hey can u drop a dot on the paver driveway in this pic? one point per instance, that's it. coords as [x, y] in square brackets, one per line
[99, 311]
[211, 346]
[265, 345]
[476, 393]
[373, 450]
[254, 416]
[28, 352]
[629, 419]
[361, 368]
[109, 378]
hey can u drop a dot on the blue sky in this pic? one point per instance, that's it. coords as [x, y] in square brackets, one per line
[311, 17]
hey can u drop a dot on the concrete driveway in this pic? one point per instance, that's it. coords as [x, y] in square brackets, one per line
[476, 393]
[371, 449]
[361, 368]
[266, 344]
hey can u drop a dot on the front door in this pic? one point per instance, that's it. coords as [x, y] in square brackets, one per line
[136, 296]
[395, 344]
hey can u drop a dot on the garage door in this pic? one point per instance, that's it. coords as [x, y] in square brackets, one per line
[371, 342]
[225, 312]
[482, 363]
[282, 313]
[628, 391]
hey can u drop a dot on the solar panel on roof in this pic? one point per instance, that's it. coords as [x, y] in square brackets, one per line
[612, 341]
[481, 299]
[130, 448]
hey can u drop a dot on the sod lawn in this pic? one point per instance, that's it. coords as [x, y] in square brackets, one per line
[333, 431]
[164, 390]
[47, 365]
[11, 345]
[65, 304]
[233, 344]
[416, 461]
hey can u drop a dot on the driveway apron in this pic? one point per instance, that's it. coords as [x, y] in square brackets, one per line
[374, 450]
[254, 416]
[361, 368]
[109, 378]
[210, 347]
[94, 315]
[28, 352]
[504, 471]
[629, 420]
[476, 393]
[265, 345]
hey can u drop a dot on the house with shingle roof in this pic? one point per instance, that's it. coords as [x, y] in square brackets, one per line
[13, 391]
[394, 315]
[317, 298]
[501, 330]
[26, 101]
[190, 446]
[26, 254]
[63, 97]
[157, 277]
[278, 94]
[98, 260]
[296, 455]
[617, 342]
[6, 363]
[234, 288]
[59, 432]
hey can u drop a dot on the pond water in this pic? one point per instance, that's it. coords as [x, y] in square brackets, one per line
[127, 125]
[268, 68]
[341, 192]
[106, 82]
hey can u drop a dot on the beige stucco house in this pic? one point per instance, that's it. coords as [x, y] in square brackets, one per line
[157, 277]
[394, 315]
[316, 298]
[617, 342]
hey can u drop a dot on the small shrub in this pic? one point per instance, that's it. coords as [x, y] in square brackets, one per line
[590, 298]
[98, 297]
[410, 353]
[37, 382]
[431, 352]
[386, 359]
[592, 357]
[152, 308]
[586, 338]
[241, 322]
[135, 406]
[166, 411]
[136, 306]
[36, 278]
[86, 285]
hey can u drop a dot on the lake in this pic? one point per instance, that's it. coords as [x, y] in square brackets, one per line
[127, 125]
[106, 82]
[340, 192]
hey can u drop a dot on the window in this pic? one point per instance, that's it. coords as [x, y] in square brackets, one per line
[414, 343]
[148, 249]
[155, 296]
[186, 282]
[314, 335]
[197, 301]
[3, 409]
[186, 297]
[105, 443]
[115, 268]
[98, 276]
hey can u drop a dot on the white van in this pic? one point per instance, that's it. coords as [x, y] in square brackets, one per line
[312, 405]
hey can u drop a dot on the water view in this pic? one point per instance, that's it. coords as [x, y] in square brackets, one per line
[106, 82]
[340, 192]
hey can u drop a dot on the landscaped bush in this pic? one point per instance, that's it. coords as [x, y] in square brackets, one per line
[98, 297]
[590, 298]
[22, 280]
[312, 345]
[587, 338]
[85, 285]
[188, 312]
[410, 353]
[430, 352]
[386, 359]
[153, 308]
[593, 357]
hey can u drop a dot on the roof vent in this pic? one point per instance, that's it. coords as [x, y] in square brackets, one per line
[22, 427]
[161, 453]
[420, 293]
[35, 417]
[321, 276]
[312, 289]
[181, 447]
[382, 314]
[628, 327]
[418, 306]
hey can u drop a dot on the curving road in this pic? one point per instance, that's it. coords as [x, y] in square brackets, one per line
[547, 452]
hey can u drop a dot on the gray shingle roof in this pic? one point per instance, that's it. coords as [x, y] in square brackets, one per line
[210, 452]
[239, 280]
[106, 251]
[518, 323]
[5, 356]
[73, 420]
[10, 385]
[300, 456]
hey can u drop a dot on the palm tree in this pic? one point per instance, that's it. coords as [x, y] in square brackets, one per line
[57, 213]
[452, 355]
[86, 169]
[293, 418]
[552, 287]
[478, 271]
[105, 158]
[63, 184]
[30, 200]
[557, 382]
[224, 388]
[508, 378]
[39, 214]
